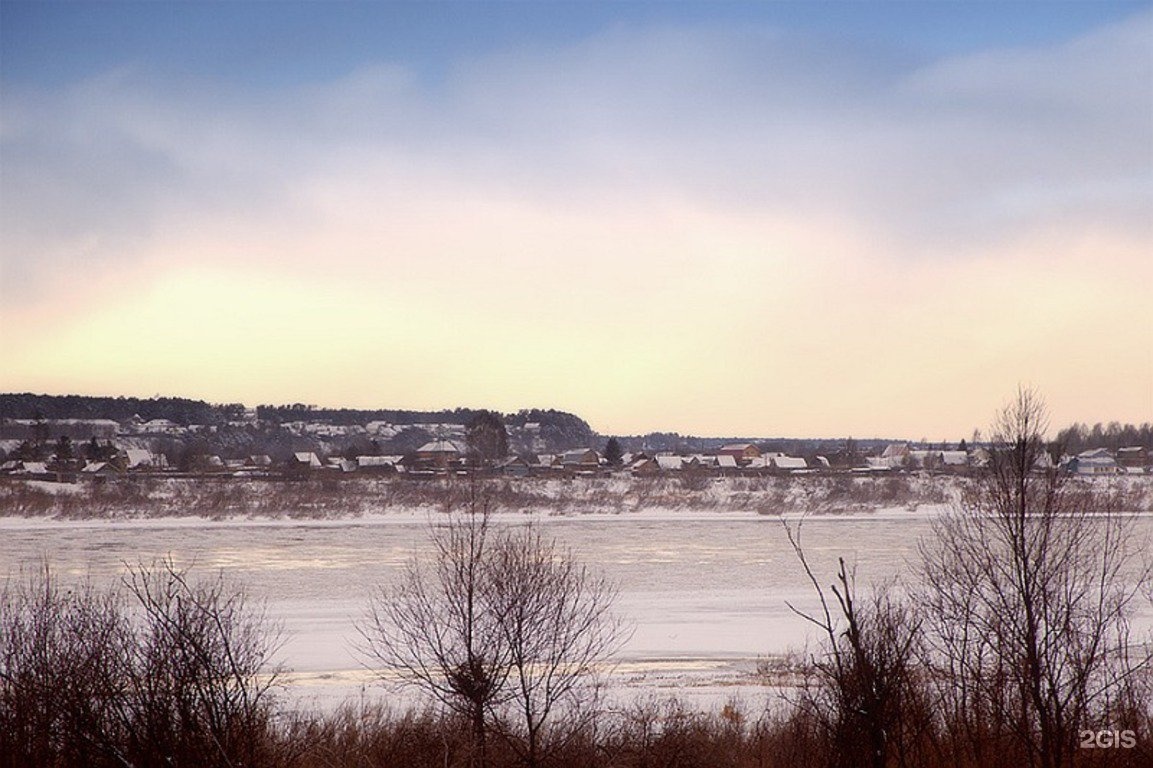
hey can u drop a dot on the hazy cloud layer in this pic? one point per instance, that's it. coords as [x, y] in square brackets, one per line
[674, 212]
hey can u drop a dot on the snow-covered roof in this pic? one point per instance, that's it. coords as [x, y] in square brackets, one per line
[730, 462]
[439, 446]
[954, 458]
[306, 457]
[895, 449]
[670, 462]
[790, 462]
[377, 461]
[138, 457]
[580, 456]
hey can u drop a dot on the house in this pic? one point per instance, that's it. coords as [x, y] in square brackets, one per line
[727, 462]
[581, 460]
[644, 465]
[1133, 457]
[259, 461]
[954, 459]
[302, 463]
[1094, 462]
[789, 463]
[99, 470]
[515, 466]
[378, 465]
[160, 427]
[141, 460]
[33, 469]
[742, 452]
[547, 463]
[670, 463]
[438, 455]
[308, 459]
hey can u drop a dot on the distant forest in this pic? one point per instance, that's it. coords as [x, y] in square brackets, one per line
[179, 410]
[1082, 437]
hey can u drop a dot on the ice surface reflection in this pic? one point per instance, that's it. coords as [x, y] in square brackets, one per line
[707, 596]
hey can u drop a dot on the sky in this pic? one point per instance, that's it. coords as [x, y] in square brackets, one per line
[804, 219]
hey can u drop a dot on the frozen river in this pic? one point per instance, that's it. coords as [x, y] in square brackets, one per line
[706, 594]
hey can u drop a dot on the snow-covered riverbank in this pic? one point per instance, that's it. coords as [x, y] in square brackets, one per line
[151, 498]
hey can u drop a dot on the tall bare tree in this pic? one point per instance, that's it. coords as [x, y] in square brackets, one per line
[503, 628]
[556, 622]
[1029, 589]
[863, 691]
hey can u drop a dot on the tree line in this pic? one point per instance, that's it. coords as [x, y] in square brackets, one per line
[1114, 435]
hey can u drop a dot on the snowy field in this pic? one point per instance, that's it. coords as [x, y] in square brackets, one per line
[705, 593]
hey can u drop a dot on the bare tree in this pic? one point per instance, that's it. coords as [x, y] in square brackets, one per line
[62, 654]
[556, 622]
[201, 674]
[434, 628]
[176, 675]
[504, 629]
[864, 691]
[1029, 588]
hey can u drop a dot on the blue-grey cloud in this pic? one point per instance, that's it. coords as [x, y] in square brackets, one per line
[926, 157]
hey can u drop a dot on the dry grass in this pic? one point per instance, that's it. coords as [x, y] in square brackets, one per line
[343, 496]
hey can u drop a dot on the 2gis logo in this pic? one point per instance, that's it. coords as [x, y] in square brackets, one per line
[1107, 739]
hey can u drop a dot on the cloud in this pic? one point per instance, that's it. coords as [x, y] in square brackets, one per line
[649, 199]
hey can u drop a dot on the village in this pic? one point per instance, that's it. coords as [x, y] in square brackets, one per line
[72, 450]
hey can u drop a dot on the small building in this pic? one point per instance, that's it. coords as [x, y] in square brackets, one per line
[667, 463]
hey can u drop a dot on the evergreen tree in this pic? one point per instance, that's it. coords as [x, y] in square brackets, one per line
[487, 438]
[613, 452]
[64, 450]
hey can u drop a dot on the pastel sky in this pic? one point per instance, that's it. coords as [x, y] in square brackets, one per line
[790, 218]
